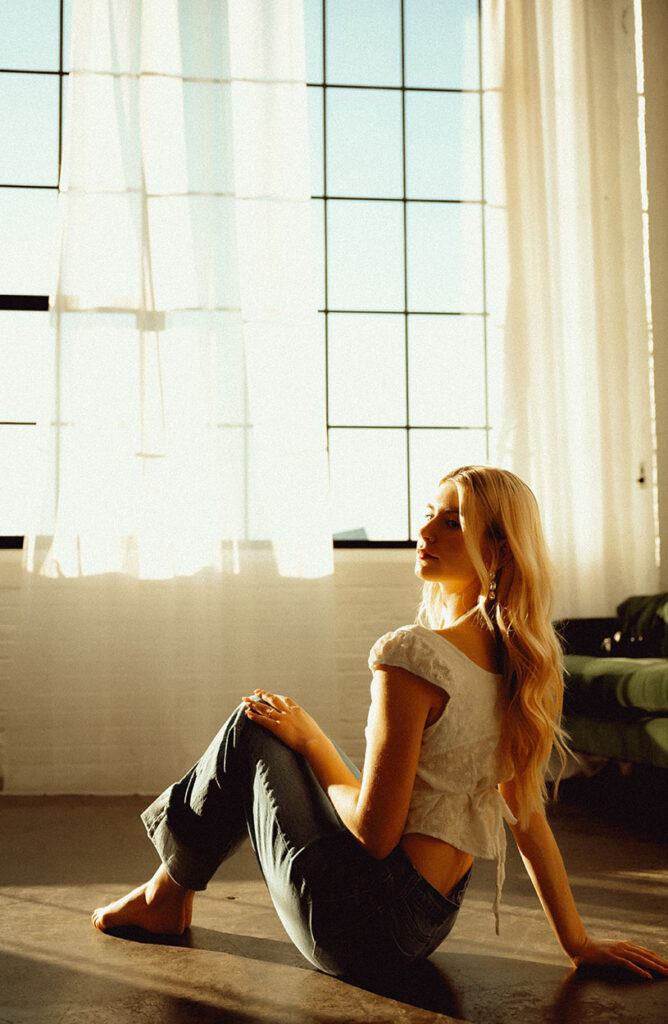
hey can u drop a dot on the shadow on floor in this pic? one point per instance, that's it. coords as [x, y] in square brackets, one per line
[633, 798]
[77, 997]
[475, 988]
[60, 857]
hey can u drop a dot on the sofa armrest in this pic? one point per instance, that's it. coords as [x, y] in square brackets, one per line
[587, 636]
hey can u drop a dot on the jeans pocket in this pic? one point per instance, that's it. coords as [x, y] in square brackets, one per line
[418, 925]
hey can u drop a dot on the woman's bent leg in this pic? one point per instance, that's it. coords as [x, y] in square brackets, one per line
[247, 783]
[343, 909]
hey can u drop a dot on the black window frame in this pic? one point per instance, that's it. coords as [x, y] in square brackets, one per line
[325, 197]
[35, 303]
[40, 303]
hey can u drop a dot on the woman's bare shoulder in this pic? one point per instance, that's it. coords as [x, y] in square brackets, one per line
[406, 686]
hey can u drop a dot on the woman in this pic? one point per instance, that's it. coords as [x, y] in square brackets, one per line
[370, 869]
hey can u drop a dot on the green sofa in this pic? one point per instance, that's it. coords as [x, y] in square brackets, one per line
[616, 683]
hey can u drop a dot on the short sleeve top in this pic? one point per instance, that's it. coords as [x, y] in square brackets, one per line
[455, 796]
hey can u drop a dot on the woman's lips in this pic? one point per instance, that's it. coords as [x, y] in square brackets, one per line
[425, 555]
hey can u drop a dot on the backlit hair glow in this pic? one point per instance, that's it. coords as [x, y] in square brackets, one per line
[500, 518]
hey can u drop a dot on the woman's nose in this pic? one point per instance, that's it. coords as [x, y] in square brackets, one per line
[426, 531]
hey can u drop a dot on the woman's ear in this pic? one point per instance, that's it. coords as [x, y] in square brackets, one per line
[503, 553]
[496, 552]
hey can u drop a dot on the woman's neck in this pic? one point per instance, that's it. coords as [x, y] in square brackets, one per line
[458, 606]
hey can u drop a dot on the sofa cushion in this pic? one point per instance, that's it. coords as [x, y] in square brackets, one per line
[642, 742]
[616, 688]
[588, 636]
[644, 621]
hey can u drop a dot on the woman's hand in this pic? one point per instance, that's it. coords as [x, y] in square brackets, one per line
[284, 717]
[623, 954]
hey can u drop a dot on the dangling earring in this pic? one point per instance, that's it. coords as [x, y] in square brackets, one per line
[492, 586]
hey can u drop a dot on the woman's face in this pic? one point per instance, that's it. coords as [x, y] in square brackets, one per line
[441, 555]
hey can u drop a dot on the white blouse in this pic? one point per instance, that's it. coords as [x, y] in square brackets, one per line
[455, 796]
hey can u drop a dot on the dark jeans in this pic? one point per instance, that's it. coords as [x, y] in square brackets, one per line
[345, 911]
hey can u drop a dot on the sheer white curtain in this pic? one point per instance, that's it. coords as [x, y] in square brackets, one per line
[188, 557]
[188, 414]
[565, 234]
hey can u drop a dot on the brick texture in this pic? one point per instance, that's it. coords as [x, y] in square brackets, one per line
[113, 685]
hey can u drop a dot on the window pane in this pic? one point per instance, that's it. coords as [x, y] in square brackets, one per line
[318, 249]
[433, 453]
[67, 33]
[313, 34]
[367, 370]
[364, 42]
[29, 34]
[443, 145]
[441, 44]
[315, 127]
[20, 463]
[316, 375]
[444, 247]
[24, 364]
[446, 371]
[495, 338]
[364, 155]
[29, 117]
[28, 251]
[365, 260]
[368, 478]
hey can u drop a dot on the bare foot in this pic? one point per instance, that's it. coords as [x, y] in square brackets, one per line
[159, 906]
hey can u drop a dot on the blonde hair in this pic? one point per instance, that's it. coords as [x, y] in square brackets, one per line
[499, 514]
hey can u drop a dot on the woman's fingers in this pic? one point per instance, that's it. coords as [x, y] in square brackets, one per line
[271, 706]
[268, 698]
[643, 957]
[284, 717]
[264, 699]
[637, 959]
[277, 700]
[633, 966]
[260, 712]
[648, 958]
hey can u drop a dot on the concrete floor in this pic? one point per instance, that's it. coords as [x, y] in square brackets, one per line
[62, 856]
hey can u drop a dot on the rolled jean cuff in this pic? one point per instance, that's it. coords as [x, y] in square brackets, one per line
[184, 866]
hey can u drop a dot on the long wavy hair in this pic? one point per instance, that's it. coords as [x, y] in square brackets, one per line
[499, 517]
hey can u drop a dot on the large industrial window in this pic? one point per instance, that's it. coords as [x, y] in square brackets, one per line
[397, 167]
[34, 38]
[395, 108]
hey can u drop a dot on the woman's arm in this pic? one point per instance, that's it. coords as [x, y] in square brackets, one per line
[375, 807]
[545, 866]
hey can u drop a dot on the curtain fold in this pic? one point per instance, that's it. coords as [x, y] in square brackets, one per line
[187, 421]
[566, 234]
[188, 552]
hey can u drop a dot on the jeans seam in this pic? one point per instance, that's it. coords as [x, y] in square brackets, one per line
[269, 794]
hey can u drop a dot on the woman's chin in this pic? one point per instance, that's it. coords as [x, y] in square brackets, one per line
[426, 568]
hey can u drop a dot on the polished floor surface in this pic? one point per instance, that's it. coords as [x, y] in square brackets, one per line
[62, 856]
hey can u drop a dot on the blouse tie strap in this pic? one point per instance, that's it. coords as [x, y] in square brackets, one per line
[502, 813]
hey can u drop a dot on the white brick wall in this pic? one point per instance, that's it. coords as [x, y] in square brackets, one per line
[116, 686]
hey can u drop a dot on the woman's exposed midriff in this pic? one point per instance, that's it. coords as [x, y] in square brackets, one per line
[440, 863]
